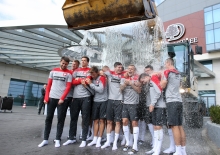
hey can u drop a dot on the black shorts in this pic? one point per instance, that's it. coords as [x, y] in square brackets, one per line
[114, 110]
[174, 113]
[159, 117]
[130, 111]
[99, 110]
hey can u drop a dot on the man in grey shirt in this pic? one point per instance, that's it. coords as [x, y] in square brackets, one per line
[131, 89]
[171, 82]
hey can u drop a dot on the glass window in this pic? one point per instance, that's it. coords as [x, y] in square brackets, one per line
[216, 15]
[217, 45]
[216, 6]
[207, 64]
[208, 96]
[210, 47]
[209, 37]
[25, 91]
[217, 25]
[209, 27]
[208, 18]
[208, 9]
[217, 35]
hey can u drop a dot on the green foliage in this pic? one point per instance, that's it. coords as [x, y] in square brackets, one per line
[215, 114]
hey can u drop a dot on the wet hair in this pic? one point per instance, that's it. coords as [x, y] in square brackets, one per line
[77, 61]
[117, 64]
[143, 75]
[87, 58]
[170, 60]
[65, 59]
[133, 66]
[149, 66]
[94, 69]
[105, 67]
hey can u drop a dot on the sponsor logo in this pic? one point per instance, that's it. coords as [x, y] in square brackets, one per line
[175, 31]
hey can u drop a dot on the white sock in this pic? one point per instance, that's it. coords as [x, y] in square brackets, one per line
[178, 150]
[107, 143]
[155, 139]
[135, 134]
[151, 129]
[159, 142]
[115, 142]
[112, 136]
[126, 134]
[98, 143]
[171, 148]
[183, 150]
[93, 142]
[69, 142]
[43, 143]
[83, 144]
[131, 140]
[57, 143]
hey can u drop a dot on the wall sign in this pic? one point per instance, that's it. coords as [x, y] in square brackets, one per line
[175, 31]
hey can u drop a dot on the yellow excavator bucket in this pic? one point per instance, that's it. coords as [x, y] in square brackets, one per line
[90, 14]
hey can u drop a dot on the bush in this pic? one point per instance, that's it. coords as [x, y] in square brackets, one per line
[215, 114]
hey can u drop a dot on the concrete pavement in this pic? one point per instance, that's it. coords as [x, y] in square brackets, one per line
[22, 130]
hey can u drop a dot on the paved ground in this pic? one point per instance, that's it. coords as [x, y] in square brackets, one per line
[22, 130]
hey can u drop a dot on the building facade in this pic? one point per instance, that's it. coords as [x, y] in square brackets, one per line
[198, 22]
[22, 83]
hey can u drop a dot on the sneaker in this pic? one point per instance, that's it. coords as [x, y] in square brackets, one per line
[69, 142]
[133, 151]
[105, 145]
[57, 143]
[169, 150]
[43, 143]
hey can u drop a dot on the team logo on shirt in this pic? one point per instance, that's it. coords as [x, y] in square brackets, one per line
[64, 74]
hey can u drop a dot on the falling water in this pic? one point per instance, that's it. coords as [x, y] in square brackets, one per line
[143, 43]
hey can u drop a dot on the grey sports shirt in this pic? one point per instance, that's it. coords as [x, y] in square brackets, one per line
[173, 79]
[130, 95]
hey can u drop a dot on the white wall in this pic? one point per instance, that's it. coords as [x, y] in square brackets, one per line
[171, 9]
[13, 71]
[212, 83]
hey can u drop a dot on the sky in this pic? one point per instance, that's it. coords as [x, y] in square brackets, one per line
[33, 11]
[16, 12]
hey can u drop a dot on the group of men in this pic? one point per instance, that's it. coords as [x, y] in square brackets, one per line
[119, 100]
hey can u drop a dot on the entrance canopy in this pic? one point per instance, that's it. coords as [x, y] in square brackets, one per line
[201, 71]
[35, 46]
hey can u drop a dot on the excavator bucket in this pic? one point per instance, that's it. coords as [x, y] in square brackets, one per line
[91, 14]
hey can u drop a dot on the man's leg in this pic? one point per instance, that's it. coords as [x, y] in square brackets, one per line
[51, 106]
[86, 109]
[118, 105]
[133, 115]
[171, 148]
[110, 118]
[41, 104]
[95, 117]
[74, 114]
[102, 118]
[61, 116]
[126, 131]
[183, 140]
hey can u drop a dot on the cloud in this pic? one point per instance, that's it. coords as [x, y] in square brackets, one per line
[34, 10]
